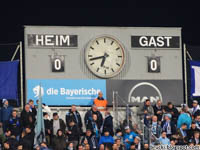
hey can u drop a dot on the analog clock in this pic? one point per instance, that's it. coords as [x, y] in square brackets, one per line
[105, 56]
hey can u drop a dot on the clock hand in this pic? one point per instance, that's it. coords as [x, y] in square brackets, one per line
[100, 57]
[104, 59]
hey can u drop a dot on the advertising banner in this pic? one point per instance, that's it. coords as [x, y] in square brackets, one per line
[135, 92]
[195, 77]
[66, 92]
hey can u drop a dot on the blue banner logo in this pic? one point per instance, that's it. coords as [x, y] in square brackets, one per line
[66, 92]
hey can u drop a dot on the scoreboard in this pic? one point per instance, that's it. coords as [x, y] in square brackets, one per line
[73, 64]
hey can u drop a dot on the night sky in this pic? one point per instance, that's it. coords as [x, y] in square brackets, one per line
[110, 14]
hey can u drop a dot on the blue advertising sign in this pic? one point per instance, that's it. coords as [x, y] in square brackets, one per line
[65, 92]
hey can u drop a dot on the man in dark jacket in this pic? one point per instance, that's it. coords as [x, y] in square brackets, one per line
[27, 138]
[14, 125]
[158, 109]
[90, 139]
[190, 132]
[32, 107]
[88, 116]
[27, 118]
[57, 123]
[171, 109]
[73, 134]
[74, 115]
[107, 123]
[5, 113]
[48, 127]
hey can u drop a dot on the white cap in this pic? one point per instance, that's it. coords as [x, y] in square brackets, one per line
[3, 100]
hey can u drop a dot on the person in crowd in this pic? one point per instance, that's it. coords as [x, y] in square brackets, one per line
[136, 129]
[107, 123]
[11, 139]
[127, 122]
[57, 123]
[27, 117]
[119, 135]
[20, 147]
[132, 146]
[48, 127]
[197, 121]
[73, 133]
[32, 107]
[120, 144]
[137, 142]
[94, 126]
[70, 146]
[45, 109]
[42, 146]
[27, 138]
[90, 139]
[156, 127]
[171, 109]
[146, 146]
[163, 139]
[74, 115]
[14, 125]
[59, 142]
[80, 147]
[182, 134]
[146, 112]
[195, 110]
[115, 147]
[158, 110]
[190, 132]
[168, 125]
[196, 138]
[106, 138]
[87, 147]
[5, 113]
[88, 116]
[102, 147]
[184, 118]
[129, 137]
[100, 102]
[6, 146]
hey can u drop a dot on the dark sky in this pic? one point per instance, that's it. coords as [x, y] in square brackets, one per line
[107, 14]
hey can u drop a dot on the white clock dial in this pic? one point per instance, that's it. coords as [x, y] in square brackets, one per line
[105, 56]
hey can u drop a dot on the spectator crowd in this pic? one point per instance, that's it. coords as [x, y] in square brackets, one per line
[161, 125]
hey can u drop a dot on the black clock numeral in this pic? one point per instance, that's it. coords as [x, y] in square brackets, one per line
[117, 48]
[91, 47]
[120, 56]
[97, 69]
[92, 64]
[112, 70]
[117, 64]
[112, 43]
[105, 71]
[97, 42]
[89, 55]
[104, 40]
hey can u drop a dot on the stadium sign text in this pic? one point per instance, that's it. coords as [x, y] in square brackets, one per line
[51, 40]
[155, 41]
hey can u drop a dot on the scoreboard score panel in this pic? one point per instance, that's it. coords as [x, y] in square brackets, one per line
[104, 53]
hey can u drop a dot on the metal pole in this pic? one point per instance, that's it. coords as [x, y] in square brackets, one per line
[185, 72]
[16, 50]
[21, 75]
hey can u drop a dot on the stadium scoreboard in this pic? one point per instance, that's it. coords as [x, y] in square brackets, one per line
[73, 64]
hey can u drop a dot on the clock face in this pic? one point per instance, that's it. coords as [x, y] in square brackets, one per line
[105, 56]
